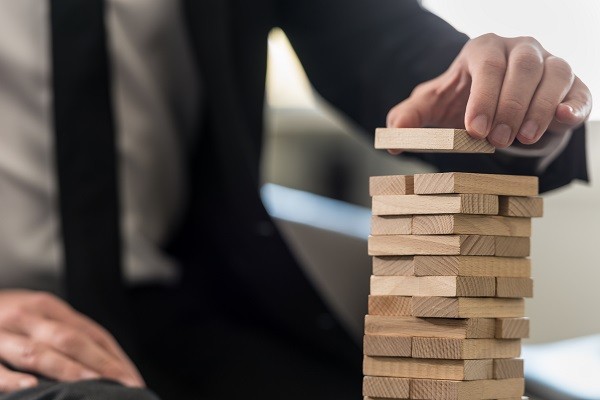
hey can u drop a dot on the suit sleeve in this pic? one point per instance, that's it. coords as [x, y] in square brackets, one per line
[365, 56]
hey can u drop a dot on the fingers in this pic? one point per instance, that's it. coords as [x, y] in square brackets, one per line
[11, 381]
[524, 73]
[80, 348]
[487, 68]
[55, 309]
[557, 81]
[576, 106]
[27, 355]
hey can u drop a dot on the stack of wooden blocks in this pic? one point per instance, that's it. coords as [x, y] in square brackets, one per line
[450, 274]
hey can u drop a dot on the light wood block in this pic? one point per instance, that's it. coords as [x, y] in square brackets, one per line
[507, 246]
[465, 349]
[390, 305]
[394, 265]
[465, 390]
[391, 185]
[465, 307]
[514, 206]
[461, 224]
[461, 182]
[471, 328]
[391, 225]
[441, 204]
[512, 328]
[430, 140]
[389, 346]
[466, 370]
[514, 287]
[389, 388]
[467, 286]
[471, 266]
[402, 245]
[509, 368]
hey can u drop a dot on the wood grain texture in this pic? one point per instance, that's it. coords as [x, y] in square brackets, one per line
[391, 225]
[440, 204]
[448, 224]
[471, 266]
[509, 368]
[464, 307]
[426, 368]
[471, 328]
[461, 182]
[465, 390]
[391, 185]
[390, 305]
[430, 140]
[512, 328]
[514, 206]
[465, 349]
[452, 286]
[394, 265]
[388, 346]
[399, 245]
[507, 246]
[390, 388]
[514, 287]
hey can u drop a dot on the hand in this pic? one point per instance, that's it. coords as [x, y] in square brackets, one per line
[41, 334]
[500, 89]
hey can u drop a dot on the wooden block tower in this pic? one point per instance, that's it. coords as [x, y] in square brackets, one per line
[450, 274]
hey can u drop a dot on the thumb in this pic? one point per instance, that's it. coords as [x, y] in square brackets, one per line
[574, 109]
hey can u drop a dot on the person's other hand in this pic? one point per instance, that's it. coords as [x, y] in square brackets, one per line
[41, 334]
[500, 89]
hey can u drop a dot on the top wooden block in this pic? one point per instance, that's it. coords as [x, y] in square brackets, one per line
[430, 140]
[465, 183]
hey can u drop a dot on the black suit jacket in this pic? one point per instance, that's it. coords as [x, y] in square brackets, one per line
[363, 57]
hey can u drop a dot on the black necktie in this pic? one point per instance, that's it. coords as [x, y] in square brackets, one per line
[86, 160]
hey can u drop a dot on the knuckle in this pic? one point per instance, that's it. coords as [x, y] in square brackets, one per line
[67, 340]
[30, 354]
[560, 66]
[494, 64]
[530, 40]
[512, 105]
[528, 61]
[13, 316]
[40, 299]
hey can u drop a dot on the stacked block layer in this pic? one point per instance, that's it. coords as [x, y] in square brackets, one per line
[450, 274]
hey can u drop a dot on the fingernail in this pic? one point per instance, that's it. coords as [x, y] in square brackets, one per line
[87, 374]
[501, 134]
[529, 130]
[27, 383]
[479, 125]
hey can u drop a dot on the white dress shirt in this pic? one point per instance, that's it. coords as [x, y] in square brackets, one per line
[155, 91]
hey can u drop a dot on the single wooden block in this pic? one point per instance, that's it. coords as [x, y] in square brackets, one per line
[403, 245]
[466, 370]
[388, 346]
[452, 286]
[509, 368]
[512, 328]
[508, 246]
[465, 307]
[465, 349]
[514, 287]
[470, 328]
[394, 265]
[391, 225]
[466, 390]
[442, 204]
[462, 224]
[471, 266]
[389, 388]
[391, 185]
[461, 182]
[390, 305]
[430, 140]
[515, 206]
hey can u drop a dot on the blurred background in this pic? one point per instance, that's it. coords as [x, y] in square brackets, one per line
[311, 148]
